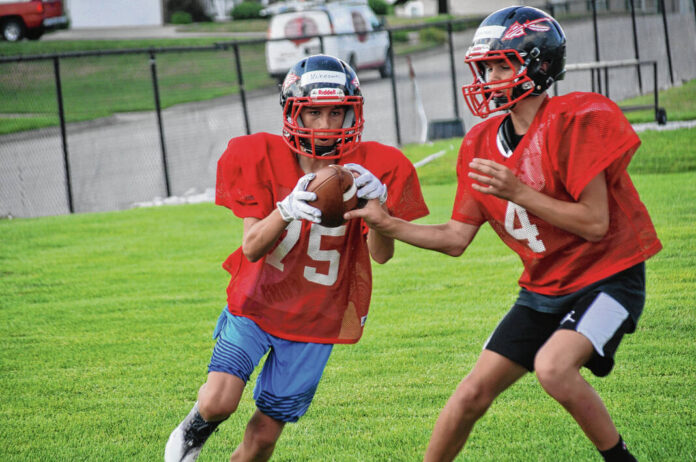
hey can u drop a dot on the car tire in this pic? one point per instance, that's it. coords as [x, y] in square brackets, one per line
[661, 116]
[12, 30]
[386, 70]
[34, 34]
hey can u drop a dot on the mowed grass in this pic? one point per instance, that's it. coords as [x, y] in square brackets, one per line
[105, 324]
[103, 85]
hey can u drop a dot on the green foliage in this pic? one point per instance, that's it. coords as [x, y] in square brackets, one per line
[105, 324]
[246, 10]
[432, 35]
[181, 17]
[380, 7]
[400, 36]
[193, 7]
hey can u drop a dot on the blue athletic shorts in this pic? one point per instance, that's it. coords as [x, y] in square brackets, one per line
[290, 375]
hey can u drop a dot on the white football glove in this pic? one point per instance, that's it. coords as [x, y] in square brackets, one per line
[295, 206]
[369, 186]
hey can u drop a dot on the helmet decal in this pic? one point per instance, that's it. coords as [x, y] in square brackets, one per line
[489, 32]
[518, 30]
[311, 77]
[289, 80]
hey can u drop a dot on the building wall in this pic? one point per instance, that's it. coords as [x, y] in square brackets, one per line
[114, 13]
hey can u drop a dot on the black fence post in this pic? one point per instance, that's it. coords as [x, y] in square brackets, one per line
[321, 43]
[393, 85]
[661, 3]
[635, 45]
[160, 126]
[596, 42]
[63, 135]
[242, 93]
[453, 70]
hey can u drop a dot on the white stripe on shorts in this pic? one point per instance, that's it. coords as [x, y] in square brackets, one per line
[601, 321]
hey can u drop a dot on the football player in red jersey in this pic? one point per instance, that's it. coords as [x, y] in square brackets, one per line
[297, 287]
[549, 175]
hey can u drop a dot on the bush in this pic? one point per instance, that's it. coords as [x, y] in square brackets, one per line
[181, 17]
[400, 36]
[433, 34]
[380, 7]
[247, 10]
[192, 7]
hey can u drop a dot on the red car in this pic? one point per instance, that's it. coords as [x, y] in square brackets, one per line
[30, 18]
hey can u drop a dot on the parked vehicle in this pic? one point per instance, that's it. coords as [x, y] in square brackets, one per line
[30, 18]
[366, 45]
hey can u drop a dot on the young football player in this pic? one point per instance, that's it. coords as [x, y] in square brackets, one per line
[297, 287]
[549, 175]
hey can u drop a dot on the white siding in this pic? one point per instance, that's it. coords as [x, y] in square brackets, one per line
[114, 13]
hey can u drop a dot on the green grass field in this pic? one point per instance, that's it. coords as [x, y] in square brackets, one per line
[105, 324]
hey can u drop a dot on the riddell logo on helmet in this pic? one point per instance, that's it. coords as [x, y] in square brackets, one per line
[327, 92]
[518, 30]
[333, 94]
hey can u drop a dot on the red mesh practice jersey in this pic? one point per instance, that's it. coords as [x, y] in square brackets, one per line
[315, 284]
[571, 140]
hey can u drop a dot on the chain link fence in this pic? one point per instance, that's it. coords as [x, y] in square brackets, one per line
[81, 132]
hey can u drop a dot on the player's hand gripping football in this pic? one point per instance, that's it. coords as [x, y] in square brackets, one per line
[369, 186]
[495, 179]
[295, 206]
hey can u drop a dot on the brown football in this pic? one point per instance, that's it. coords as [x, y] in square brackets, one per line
[336, 194]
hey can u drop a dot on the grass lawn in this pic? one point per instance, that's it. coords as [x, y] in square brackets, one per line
[105, 324]
[680, 103]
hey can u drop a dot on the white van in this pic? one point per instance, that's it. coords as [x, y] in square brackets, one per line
[364, 49]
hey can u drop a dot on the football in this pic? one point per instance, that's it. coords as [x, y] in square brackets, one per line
[336, 194]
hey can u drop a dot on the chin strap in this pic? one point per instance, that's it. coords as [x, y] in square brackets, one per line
[318, 150]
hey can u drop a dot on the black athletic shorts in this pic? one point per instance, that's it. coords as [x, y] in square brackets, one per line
[603, 312]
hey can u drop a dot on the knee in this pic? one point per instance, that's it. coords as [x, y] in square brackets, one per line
[473, 398]
[554, 377]
[261, 434]
[215, 406]
[262, 442]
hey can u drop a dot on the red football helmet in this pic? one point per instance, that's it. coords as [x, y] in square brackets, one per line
[526, 39]
[322, 80]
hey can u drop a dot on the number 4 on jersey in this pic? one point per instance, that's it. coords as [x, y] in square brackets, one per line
[526, 230]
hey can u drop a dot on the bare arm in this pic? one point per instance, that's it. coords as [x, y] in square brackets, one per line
[451, 238]
[587, 218]
[380, 246]
[261, 235]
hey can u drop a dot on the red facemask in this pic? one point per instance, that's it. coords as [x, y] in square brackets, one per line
[484, 98]
[302, 140]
